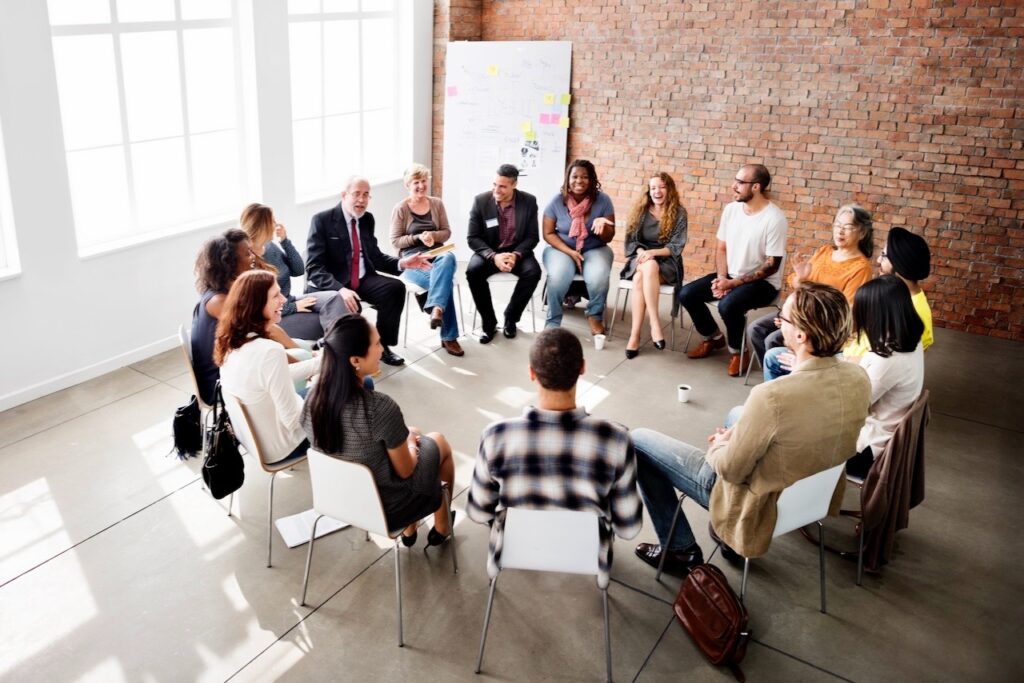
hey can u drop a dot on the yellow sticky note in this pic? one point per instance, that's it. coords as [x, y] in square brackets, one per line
[563, 122]
[492, 70]
[525, 126]
[549, 98]
[531, 135]
[566, 98]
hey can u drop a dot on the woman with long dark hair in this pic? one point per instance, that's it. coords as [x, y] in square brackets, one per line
[884, 314]
[344, 420]
[579, 222]
[655, 237]
[255, 369]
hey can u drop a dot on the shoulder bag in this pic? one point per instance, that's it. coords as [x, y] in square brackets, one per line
[223, 469]
[710, 611]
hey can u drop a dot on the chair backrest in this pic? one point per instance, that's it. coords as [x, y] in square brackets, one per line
[806, 500]
[241, 425]
[346, 491]
[185, 337]
[551, 541]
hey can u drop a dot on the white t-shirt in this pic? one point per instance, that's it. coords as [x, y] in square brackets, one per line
[258, 374]
[750, 240]
[896, 382]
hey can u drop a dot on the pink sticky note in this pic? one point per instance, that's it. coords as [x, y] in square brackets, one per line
[555, 118]
[545, 118]
[452, 91]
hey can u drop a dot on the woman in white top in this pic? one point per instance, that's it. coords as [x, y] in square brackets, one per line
[884, 313]
[255, 369]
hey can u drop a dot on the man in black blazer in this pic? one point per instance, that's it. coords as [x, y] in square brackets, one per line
[330, 265]
[503, 231]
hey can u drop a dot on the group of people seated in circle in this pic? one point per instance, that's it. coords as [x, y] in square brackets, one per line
[844, 353]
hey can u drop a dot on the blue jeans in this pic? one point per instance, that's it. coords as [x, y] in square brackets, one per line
[772, 367]
[663, 465]
[439, 282]
[597, 267]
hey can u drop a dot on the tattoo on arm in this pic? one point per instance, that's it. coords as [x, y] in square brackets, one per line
[767, 269]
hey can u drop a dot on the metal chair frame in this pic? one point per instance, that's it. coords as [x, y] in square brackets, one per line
[506, 277]
[413, 290]
[627, 285]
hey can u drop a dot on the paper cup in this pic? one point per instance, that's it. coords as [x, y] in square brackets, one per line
[599, 340]
[683, 393]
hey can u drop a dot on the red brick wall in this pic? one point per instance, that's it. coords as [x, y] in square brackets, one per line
[912, 108]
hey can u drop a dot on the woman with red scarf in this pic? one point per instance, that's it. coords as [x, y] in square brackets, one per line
[579, 222]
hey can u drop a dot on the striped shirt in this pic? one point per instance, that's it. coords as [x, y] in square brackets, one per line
[556, 460]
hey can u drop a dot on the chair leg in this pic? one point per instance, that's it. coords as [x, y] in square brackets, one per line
[270, 517]
[231, 500]
[398, 591]
[672, 324]
[462, 313]
[533, 314]
[686, 347]
[743, 585]
[487, 622]
[446, 494]
[860, 554]
[405, 340]
[309, 560]
[615, 310]
[607, 636]
[671, 530]
[821, 563]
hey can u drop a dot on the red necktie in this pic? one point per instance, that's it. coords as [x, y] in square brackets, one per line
[354, 282]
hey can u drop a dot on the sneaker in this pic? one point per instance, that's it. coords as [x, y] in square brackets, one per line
[707, 347]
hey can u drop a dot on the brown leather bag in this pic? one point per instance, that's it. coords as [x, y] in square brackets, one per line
[710, 611]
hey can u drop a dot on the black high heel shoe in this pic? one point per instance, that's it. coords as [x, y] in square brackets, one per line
[660, 345]
[410, 541]
[434, 537]
[632, 353]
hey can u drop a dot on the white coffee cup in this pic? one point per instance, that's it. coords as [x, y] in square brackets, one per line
[599, 340]
[683, 393]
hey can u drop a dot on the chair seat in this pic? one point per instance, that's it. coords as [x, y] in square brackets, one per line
[284, 463]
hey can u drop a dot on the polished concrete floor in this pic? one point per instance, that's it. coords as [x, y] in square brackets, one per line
[115, 564]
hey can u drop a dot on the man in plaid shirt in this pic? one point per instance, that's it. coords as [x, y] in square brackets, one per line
[556, 457]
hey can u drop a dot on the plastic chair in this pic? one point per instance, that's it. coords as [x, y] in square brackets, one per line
[663, 290]
[801, 503]
[550, 541]
[346, 491]
[412, 290]
[272, 463]
[185, 338]
[507, 277]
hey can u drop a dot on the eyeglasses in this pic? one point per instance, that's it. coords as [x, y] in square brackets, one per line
[848, 227]
[785, 319]
[744, 182]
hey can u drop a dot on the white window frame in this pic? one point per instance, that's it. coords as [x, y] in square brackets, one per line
[248, 162]
[10, 265]
[402, 125]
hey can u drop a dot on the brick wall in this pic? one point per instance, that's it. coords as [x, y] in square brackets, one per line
[912, 108]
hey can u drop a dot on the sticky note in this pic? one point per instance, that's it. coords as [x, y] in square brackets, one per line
[452, 91]
[492, 70]
[564, 123]
[545, 118]
[549, 98]
[531, 135]
[525, 126]
[566, 98]
[556, 118]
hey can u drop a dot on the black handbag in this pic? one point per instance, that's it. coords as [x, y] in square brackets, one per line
[223, 469]
[188, 430]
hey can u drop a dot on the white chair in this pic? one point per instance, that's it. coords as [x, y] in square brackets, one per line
[185, 338]
[550, 541]
[507, 277]
[272, 463]
[413, 290]
[346, 491]
[801, 503]
[664, 290]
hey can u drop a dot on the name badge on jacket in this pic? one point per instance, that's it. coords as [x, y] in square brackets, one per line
[491, 223]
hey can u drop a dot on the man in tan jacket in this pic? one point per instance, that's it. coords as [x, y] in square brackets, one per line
[789, 429]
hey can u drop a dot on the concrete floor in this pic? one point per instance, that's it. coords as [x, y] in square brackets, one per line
[115, 564]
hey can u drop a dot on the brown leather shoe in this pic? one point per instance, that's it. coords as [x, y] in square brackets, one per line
[737, 368]
[436, 317]
[707, 347]
[596, 325]
[453, 347]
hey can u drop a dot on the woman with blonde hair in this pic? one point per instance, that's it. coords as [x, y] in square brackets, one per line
[655, 237]
[302, 318]
[419, 223]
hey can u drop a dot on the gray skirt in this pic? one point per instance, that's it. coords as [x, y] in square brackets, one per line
[423, 489]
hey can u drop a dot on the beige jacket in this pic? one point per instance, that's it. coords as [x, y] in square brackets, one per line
[791, 428]
[401, 219]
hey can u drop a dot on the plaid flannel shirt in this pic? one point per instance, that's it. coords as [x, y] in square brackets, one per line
[556, 460]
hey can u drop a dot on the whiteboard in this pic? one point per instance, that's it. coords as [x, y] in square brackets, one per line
[505, 102]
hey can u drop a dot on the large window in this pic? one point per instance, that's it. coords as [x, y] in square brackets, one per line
[344, 57]
[153, 115]
[8, 246]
